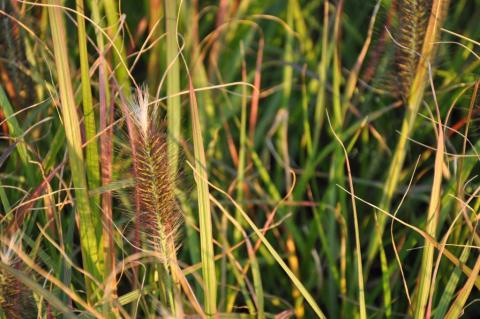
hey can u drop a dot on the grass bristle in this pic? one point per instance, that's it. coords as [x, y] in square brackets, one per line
[413, 18]
[155, 184]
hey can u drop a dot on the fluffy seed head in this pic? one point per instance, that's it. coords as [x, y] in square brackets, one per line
[413, 18]
[140, 111]
[160, 216]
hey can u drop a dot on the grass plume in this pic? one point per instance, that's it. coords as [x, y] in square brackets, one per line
[160, 216]
[413, 18]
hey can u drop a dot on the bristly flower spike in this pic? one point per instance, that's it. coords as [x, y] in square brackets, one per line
[160, 216]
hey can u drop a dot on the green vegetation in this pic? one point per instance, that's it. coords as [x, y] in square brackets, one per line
[239, 159]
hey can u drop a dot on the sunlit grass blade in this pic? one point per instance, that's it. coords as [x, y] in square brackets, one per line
[89, 223]
[16, 131]
[173, 82]
[431, 219]
[155, 14]
[106, 143]
[121, 71]
[457, 307]
[91, 158]
[361, 284]
[204, 212]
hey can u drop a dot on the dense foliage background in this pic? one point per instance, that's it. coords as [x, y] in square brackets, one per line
[302, 158]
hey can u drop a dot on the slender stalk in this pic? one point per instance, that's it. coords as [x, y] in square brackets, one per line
[457, 307]
[92, 162]
[205, 218]
[89, 222]
[173, 108]
[106, 118]
[243, 139]
[322, 85]
[95, 7]
[431, 224]
[361, 287]
[173, 83]
[155, 14]
[121, 71]
[17, 132]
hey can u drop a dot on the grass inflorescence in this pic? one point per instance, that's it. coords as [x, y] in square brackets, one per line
[413, 16]
[160, 216]
[154, 181]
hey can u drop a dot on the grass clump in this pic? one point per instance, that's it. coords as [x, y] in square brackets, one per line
[275, 213]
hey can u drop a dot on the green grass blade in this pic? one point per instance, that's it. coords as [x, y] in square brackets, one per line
[432, 217]
[205, 219]
[361, 286]
[92, 159]
[89, 223]
[448, 293]
[455, 310]
[173, 83]
[119, 55]
[16, 131]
